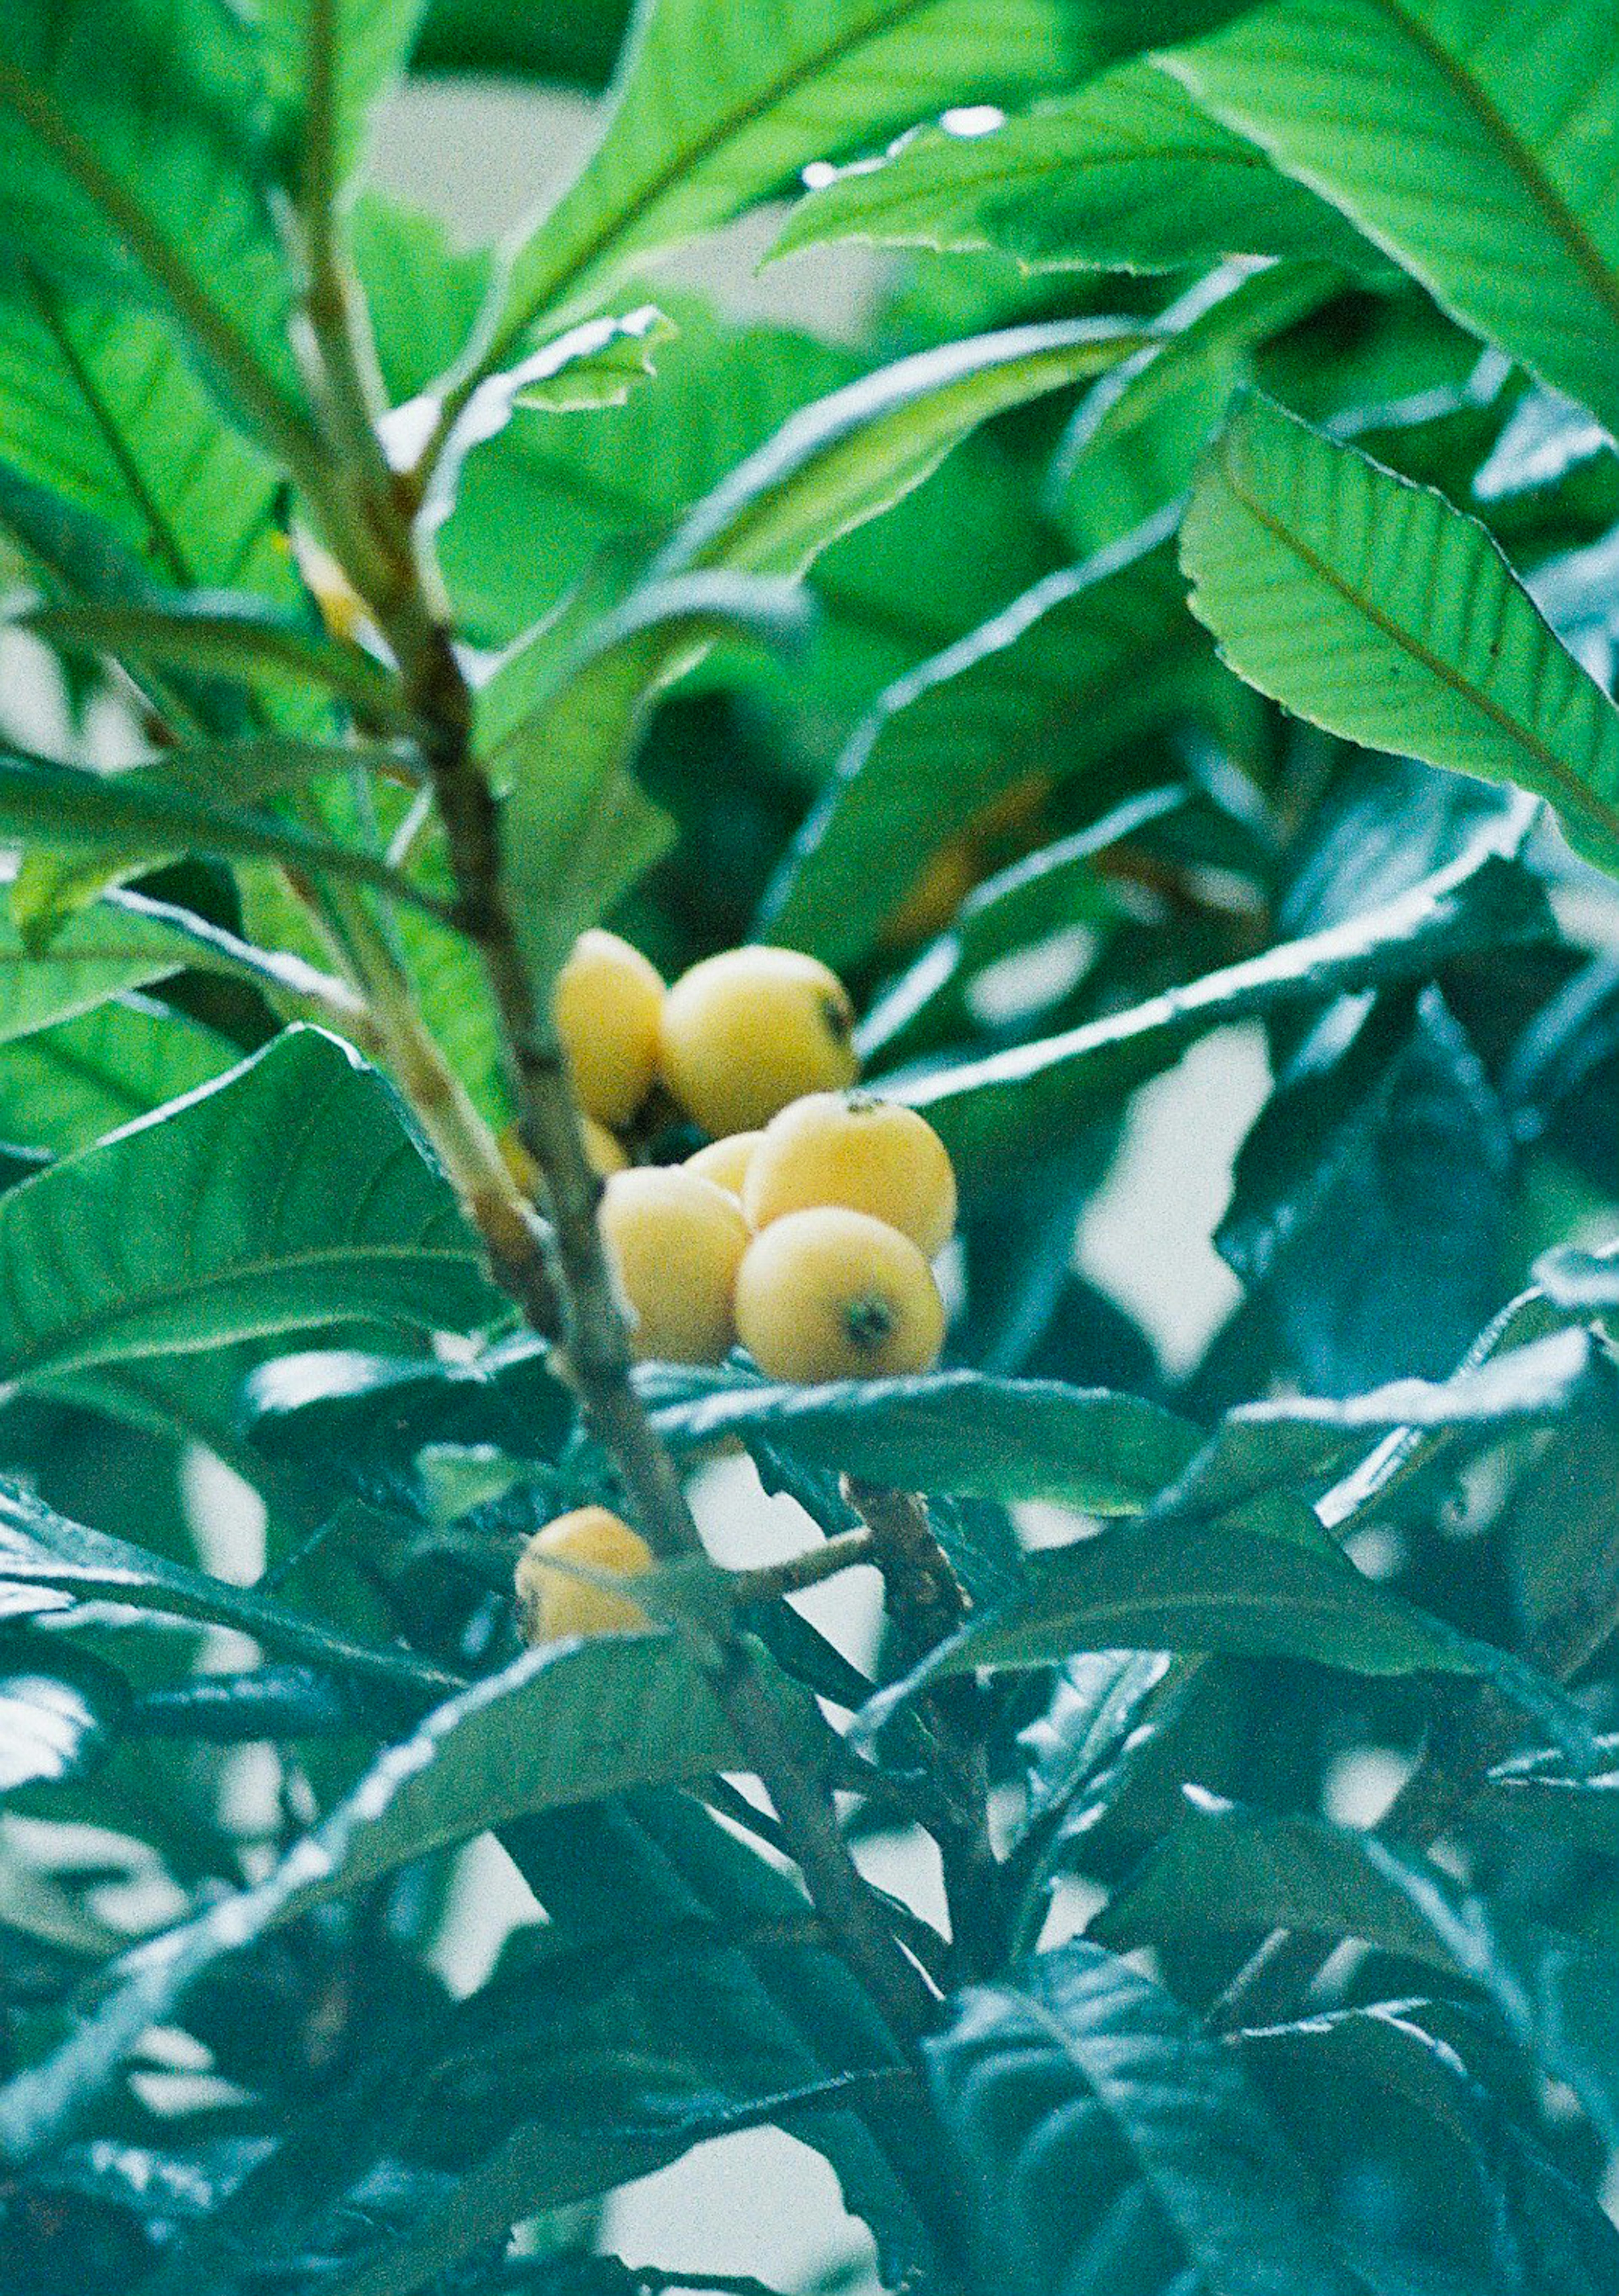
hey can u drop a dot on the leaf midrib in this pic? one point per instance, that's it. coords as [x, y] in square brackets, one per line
[1602, 815]
[1565, 224]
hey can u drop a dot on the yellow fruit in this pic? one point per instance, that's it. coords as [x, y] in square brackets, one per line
[869, 1155]
[675, 1242]
[607, 1004]
[553, 1603]
[836, 1295]
[746, 1032]
[725, 1161]
[603, 1151]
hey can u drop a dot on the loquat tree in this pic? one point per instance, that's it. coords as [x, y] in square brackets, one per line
[604, 1270]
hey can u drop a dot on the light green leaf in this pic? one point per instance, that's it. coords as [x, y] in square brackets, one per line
[562, 719]
[720, 102]
[1012, 1104]
[1170, 396]
[1475, 143]
[1372, 607]
[97, 955]
[239, 637]
[423, 294]
[959, 1432]
[586, 482]
[843, 460]
[67, 1086]
[1126, 173]
[131, 820]
[128, 171]
[285, 1195]
[1088, 657]
[564, 1725]
[98, 405]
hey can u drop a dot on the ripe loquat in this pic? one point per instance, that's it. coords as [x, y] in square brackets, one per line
[745, 1032]
[836, 1295]
[553, 1604]
[725, 1161]
[607, 1004]
[675, 1242]
[869, 1155]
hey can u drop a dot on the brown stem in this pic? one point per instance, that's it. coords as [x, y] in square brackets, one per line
[927, 1601]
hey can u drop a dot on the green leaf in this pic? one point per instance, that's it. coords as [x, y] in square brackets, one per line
[570, 43]
[1233, 1870]
[1372, 607]
[564, 1725]
[577, 830]
[99, 406]
[1086, 659]
[97, 955]
[587, 481]
[1050, 889]
[239, 637]
[131, 820]
[128, 161]
[70, 1084]
[1479, 156]
[1124, 174]
[1012, 1104]
[1104, 2135]
[961, 1433]
[423, 294]
[285, 1195]
[720, 102]
[1227, 1590]
[65, 1563]
[844, 459]
[1177, 389]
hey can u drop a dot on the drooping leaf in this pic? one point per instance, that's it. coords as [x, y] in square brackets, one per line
[961, 1432]
[1126, 173]
[1476, 154]
[1373, 608]
[1010, 1104]
[48, 1563]
[1110, 2144]
[130, 820]
[1545, 437]
[586, 1719]
[1235, 1870]
[223, 635]
[1230, 1590]
[286, 1194]
[843, 460]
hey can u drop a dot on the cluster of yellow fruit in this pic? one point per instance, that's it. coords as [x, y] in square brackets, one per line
[806, 1229]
